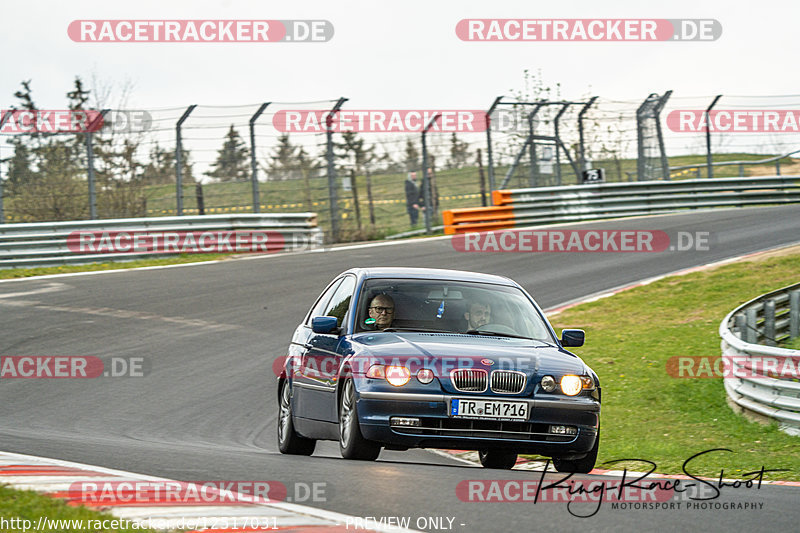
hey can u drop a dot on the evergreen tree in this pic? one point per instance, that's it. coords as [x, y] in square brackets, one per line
[232, 162]
[459, 152]
[412, 157]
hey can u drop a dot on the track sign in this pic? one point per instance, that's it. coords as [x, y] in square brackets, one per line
[594, 175]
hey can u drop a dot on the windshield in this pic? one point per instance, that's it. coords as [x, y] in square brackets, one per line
[449, 306]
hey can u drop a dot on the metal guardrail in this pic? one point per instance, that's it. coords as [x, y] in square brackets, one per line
[741, 164]
[542, 205]
[764, 379]
[45, 244]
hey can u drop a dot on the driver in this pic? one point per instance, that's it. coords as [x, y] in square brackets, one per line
[381, 310]
[479, 313]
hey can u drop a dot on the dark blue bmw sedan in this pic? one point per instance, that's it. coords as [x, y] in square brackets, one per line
[402, 358]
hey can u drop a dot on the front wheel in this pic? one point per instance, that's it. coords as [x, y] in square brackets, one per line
[499, 459]
[352, 444]
[288, 439]
[579, 466]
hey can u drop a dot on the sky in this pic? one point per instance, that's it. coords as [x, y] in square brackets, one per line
[397, 54]
[400, 55]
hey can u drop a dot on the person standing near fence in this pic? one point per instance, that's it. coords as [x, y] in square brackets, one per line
[412, 197]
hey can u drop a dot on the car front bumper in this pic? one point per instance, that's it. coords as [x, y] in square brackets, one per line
[439, 430]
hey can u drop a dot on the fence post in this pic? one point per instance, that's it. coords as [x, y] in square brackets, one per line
[709, 165]
[769, 323]
[482, 179]
[558, 144]
[778, 167]
[531, 135]
[752, 332]
[332, 193]
[741, 170]
[660, 134]
[794, 314]
[3, 120]
[179, 160]
[426, 180]
[253, 163]
[90, 165]
[582, 147]
[490, 160]
[201, 203]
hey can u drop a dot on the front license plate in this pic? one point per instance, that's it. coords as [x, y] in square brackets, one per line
[473, 408]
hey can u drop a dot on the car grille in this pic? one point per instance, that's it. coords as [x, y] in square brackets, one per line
[487, 429]
[508, 381]
[469, 379]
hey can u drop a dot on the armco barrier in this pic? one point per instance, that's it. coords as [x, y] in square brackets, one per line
[45, 244]
[762, 390]
[575, 203]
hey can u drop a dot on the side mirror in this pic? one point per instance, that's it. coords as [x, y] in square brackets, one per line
[324, 324]
[572, 337]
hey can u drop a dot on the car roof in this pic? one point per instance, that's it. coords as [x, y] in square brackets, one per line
[431, 273]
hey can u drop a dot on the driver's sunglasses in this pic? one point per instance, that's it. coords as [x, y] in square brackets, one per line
[380, 310]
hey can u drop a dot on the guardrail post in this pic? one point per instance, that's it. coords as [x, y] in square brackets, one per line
[179, 160]
[794, 314]
[3, 120]
[741, 170]
[769, 323]
[253, 164]
[778, 167]
[752, 331]
[741, 326]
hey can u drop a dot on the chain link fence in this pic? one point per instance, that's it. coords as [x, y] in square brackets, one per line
[368, 182]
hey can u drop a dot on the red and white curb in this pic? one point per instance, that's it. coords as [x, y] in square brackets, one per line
[471, 457]
[56, 478]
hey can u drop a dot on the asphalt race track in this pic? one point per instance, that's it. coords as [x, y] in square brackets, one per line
[206, 410]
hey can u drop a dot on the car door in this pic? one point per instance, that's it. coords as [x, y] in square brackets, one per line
[317, 375]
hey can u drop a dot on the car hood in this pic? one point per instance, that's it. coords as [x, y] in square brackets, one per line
[443, 352]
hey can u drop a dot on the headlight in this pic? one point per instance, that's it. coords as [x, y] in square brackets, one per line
[397, 375]
[571, 385]
[549, 383]
[425, 375]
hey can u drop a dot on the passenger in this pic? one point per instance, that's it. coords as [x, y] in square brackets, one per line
[479, 313]
[381, 310]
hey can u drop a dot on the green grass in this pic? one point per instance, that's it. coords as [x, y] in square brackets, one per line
[457, 188]
[12, 273]
[30, 505]
[647, 414]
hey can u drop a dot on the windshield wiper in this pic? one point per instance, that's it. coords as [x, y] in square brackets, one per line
[497, 334]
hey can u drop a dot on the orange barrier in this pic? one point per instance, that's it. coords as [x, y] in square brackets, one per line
[477, 219]
[501, 197]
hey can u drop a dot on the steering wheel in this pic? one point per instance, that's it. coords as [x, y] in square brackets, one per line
[496, 328]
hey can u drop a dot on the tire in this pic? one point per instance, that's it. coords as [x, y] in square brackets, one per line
[500, 459]
[288, 440]
[579, 466]
[352, 443]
